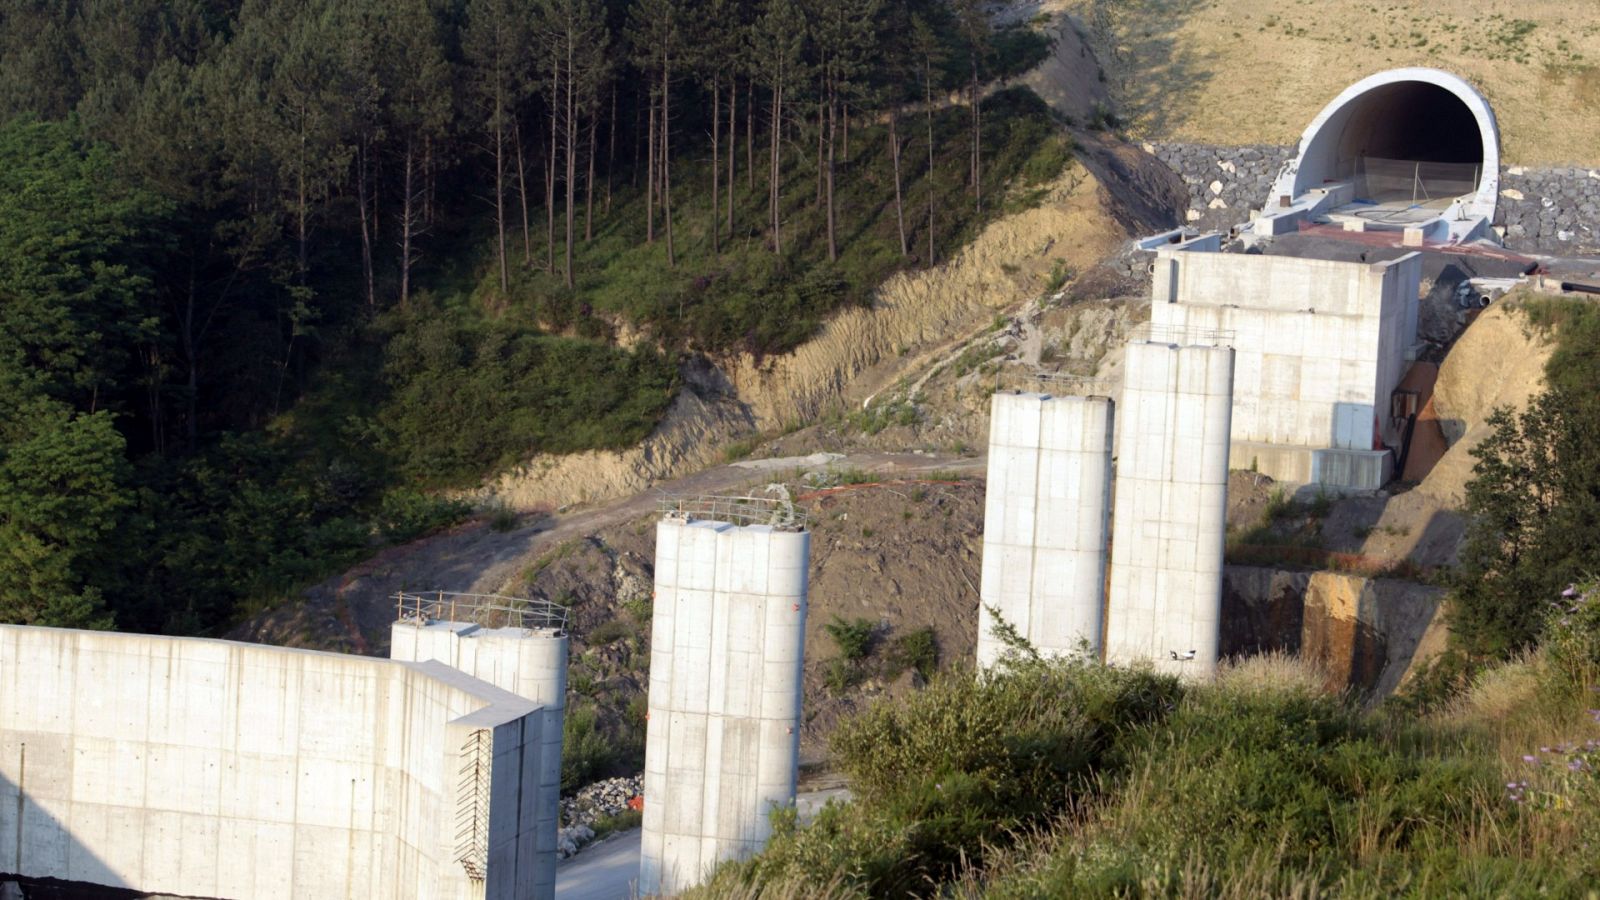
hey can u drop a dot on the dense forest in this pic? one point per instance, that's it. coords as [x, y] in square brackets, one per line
[272, 272]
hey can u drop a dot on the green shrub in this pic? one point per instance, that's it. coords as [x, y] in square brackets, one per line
[739, 449]
[1047, 161]
[853, 638]
[855, 476]
[876, 418]
[945, 776]
[917, 650]
[1280, 506]
[640, 609]
[405, 514]
[839, 675]
[1266, 780]
[586, 752]
[609, 632]
[1320, 505]
[1060, 274]
[627, 820]
[1535, 494]
[469, 397]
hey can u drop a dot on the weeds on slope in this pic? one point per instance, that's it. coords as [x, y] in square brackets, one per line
[1065, 778]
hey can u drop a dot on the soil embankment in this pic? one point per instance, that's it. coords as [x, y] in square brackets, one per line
[1364, 633]
[916, 315]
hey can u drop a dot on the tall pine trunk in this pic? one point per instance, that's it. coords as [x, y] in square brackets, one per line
[611, 155]
[716, 157]
[638, 129]
[750, 133]
[408, 224]
[428, 181]
[366, 225]
[666, 155]
[733, 145]
[588, 182]
[550, 173]
[772, 172]
[571, 128]
[845, 153]
[500, 198]
[650, 179]
[833, 125]
[522, 192]
[894, 154]
[977, 140]
[927, 87]
[822, 128]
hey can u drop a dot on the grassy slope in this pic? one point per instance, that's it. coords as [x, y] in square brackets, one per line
[1259, 785]
[1258, 71]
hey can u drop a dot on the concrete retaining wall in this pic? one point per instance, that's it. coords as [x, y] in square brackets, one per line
[217, 769]
[1315, 338]
[1366, 633]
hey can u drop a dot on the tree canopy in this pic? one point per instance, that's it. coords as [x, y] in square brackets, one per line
[273, 270]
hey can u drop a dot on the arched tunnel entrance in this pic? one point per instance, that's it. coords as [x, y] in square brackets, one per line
[1403, 148]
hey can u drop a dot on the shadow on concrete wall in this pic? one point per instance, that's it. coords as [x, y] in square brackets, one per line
[26, 829]
[1362, 632]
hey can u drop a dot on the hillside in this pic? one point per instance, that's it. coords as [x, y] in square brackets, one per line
[285, 282]
[1258, 71]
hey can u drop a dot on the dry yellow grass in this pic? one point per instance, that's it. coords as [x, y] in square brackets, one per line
[1275, 672]
[1258, 71]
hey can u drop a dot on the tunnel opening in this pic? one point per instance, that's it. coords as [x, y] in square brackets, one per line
[1409, 143]
[1403, 149]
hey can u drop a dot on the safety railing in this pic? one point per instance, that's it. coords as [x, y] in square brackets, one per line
[1184, 335]
[1411, 181]
[1061, 384]
[737, 510]
[488, 610]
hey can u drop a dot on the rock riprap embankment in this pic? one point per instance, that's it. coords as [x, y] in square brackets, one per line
[1224, 183]
[1553, 210]
[581, 812]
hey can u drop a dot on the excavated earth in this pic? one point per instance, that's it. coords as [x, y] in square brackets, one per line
[902, 551]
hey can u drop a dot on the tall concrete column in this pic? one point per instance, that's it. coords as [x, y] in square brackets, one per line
[723, 741]
[1170, 517]
[530, 662]
[1045, 521]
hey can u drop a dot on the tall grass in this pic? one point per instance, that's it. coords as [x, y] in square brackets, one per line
[1067, 779]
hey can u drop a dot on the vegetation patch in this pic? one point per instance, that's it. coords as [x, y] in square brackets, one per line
[1056, 778]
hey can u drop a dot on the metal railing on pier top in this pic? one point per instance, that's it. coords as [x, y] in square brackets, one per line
[488, 610]
[1184, 335]
[1060, 384]
[779, 513]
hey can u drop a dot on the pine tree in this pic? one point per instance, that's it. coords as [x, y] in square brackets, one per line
[775, 47]
[495, 43]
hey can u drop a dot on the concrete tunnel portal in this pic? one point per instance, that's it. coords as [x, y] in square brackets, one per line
[1415, 147]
